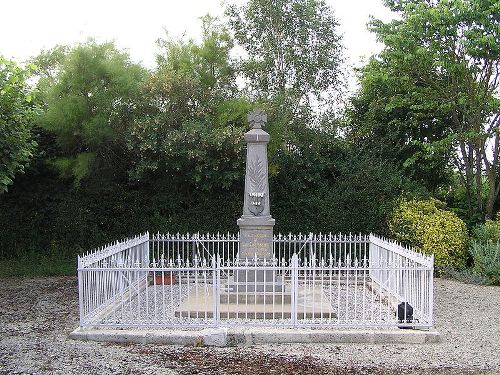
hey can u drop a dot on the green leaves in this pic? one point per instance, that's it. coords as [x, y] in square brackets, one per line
[433, 90]
[192, 118]
[429, 227]
[16, 122]
[89, 102]
[293, 57]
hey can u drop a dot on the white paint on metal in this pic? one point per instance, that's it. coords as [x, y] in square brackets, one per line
[312, 281]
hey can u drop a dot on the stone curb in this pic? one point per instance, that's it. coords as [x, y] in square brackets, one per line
[255, 336]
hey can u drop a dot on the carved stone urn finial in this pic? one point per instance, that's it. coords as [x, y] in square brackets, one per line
[257, 119]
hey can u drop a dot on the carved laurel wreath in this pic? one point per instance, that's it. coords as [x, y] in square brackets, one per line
[256, 175]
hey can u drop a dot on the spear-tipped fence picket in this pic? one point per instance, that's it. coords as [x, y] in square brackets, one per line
[312, 280]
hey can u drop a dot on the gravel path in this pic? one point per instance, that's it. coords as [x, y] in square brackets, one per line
[36, 316]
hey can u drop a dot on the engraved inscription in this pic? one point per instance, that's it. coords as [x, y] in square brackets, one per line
[255, 243]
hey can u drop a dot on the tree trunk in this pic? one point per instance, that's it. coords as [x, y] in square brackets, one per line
[492, 195]
[479, 178]
[494, 184]
[468, 177]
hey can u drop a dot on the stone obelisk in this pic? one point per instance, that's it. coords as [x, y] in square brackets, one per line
[256, 223]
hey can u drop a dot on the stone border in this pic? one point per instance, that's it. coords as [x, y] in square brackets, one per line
[256, 335]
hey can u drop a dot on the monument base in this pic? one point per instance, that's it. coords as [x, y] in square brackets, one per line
[254, 298]
[256, 237]
[256, 247]
[241, 283]
[311, 304]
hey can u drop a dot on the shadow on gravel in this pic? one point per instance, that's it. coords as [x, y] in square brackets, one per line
[206, 361]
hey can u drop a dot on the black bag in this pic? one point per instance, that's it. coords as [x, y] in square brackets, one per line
[405, 313]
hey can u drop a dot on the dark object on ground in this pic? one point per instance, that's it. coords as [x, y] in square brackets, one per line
[405, 313]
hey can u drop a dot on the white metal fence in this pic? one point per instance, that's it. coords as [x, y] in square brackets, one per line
[312, 281]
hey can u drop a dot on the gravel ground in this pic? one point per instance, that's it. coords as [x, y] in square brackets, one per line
[36, 316]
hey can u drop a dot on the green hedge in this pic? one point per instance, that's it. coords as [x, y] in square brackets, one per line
[486, 257]
[43, 213]
[487, 232]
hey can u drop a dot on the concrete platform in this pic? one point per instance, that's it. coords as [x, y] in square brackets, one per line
[311, 304]
[257, 335]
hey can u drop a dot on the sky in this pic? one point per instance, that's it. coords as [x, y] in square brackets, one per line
[28, 26]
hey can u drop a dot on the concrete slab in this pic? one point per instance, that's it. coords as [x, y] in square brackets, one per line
[253, 298]
[257, 335]
[311, 304]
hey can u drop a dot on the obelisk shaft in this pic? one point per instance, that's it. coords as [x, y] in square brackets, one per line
[256, 223]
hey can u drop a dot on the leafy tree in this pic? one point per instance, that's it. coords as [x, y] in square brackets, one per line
[384, 123]
[46, 67]
[191, 122]
[16, 121]
[293, 57]
[325, 185]
[90, 93]
[435, 86]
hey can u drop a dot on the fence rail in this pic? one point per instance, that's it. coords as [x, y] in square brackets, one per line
[311, 281]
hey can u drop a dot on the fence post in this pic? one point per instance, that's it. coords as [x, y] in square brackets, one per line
[216, 289]
[295, 286]
[430, 285]
[80, 291]
[371, 258]
[312, 249]
[145, 255]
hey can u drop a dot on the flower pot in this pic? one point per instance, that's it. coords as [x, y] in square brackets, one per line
[164, 278]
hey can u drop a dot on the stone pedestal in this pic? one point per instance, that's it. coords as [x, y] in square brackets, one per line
[311, 303]
[256, 246]
[254, 281]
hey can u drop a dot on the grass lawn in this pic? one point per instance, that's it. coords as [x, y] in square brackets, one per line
[35, 264]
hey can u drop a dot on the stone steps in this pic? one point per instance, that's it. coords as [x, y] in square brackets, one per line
[311, 304]
[254, 298]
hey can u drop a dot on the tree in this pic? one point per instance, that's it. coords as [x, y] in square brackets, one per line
[16, 121]
[383, 123]
[439, 76]
[46, 67]
[190, 124]
[293, 60]
[90, 93]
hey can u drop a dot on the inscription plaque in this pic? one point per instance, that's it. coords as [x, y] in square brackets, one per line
[256, 243]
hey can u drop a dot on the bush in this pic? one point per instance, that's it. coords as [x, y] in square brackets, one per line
[488, 232]
[485, 251]
[34, 264]
[427, 226]
[487, 261]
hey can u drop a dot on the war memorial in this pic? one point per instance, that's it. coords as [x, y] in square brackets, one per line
[176, 288]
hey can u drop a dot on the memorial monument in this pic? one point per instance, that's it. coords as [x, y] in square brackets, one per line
[256, 223]
[254, 288]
